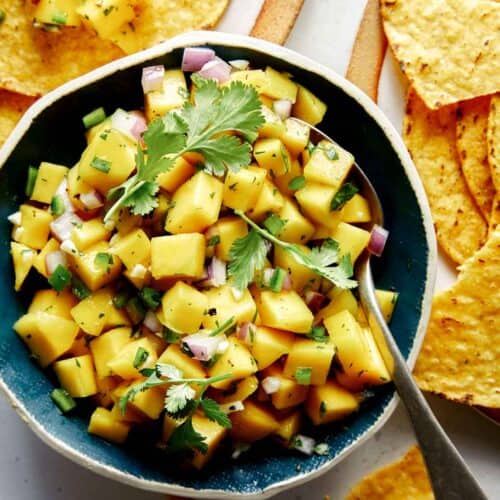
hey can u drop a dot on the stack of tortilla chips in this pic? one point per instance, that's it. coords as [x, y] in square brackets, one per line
[450, 52]
[35, 59]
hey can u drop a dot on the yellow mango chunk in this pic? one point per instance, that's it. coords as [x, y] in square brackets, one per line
[272, 155]
[183, 308]
[47, 181]
[314, 200]
[213, 434]
[273, 125]
[229, 229]
[105, 388]
[105, 347]
[309, 354]
[223, 305]
[279, 86]
[254, 422]
[295, 137]
[297, 228]
[289, 427]
[329, 164]
[52, 302]
[270, 200]
[169, 426]
[57, 12]
[290, 393]
[91, 313]
[22, 258]
[77, 187]
[178, 255]
[340, 300]
[170, 96]
[195, 205]
[302, 277]
[132, 358]
[357, 352]
[284, 310]
[39, 261]
[77, 376]
[308, 107]
[105, 425]
[241, 391]
[46, 335]
[329, 402]
[236, 360]
[356, 210]
[149, 403]
[269, 344]
[78, 348]
[352, 240]
[180, 172]
[190, 368]
[283, 181]
[96, 266]
[89, 233]
[133, 249]
[35, 227]
[387, 300]
[107, 161]
[254, 77]
[242, 188]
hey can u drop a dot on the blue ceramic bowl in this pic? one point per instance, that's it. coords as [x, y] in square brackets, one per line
[51, 130]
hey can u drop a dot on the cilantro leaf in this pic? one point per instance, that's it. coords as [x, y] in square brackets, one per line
[343, 195]
[318, 260]
[246, 255]
[214, 412]
[143, 200]
[169, 371]
[185, 438]
[177, 398]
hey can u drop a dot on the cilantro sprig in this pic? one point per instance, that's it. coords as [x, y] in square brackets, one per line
[181, 401]
[198, 127]
[248, 254]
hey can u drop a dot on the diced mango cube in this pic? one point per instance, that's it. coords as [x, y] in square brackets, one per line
[133, 249]
[297, 228]
[279, 86]
[213, 434]
[190, 368]
[105, 347]
[270, 200]
[285, 310]
[229, 229]
[47, 181]
[387, 300]
[290, 393]
[269, 344]
[172, 95]
[296, 136]
[356, 210]
[314, 200]
[77, 376]
[52, 302]
[242, 390]
[91, 313]
[180, 172]
[254, 422]
[273, 125]
[132, 358]
[352, 240]
[35, 227]
[289, 427]
[308, 107]
[89, 233]
[39, 261]
[149, 403]
[178, 255]
[283, 181]
[105, 425]
[340, 300]
[302, 277]
[242, 188]
[22, 258]
[183, 308]
[271, 154]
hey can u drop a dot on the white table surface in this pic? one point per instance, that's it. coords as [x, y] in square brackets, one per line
[30, 470]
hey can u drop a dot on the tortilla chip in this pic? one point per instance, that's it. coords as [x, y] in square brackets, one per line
[495, 214]
[161, 19]
[472, 124]
[33, 61]
[430, 138]
[447, 48]
[460, 357]
[12, 107]
[406, 478]
[494, 140]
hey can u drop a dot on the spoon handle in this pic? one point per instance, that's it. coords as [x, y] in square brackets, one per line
[450, 476]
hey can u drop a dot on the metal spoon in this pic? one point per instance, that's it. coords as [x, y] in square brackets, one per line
[450, 476]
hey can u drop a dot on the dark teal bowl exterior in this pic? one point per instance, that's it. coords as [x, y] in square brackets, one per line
[57, 135]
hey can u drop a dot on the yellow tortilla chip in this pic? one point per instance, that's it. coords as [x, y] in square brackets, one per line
[460, 357]
[494, 140]
[495, 214]
[472, 124]
[447, 48]
[12, 107]
[33, 61]
[430, 138]
[158, 20]
[404, 479]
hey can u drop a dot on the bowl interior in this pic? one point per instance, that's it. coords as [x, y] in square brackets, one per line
[57, 136]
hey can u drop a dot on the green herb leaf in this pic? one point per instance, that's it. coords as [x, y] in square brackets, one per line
[246, 255]
[57, 205]
[94, 118]
[169, 371]
[170, 336]
[103, 260]
[140, 357]
[213, 241]
[60, 278]
[222, 328]
[274, 224]
[185, 438]
[177, 398]
[297, 183]
[101, 164]
[319, 263]
[31, 180]
[79, 289]
[318, 333]
[214, 412]
[63, 400]
[150, 297]
[343, 195]
[303, 375]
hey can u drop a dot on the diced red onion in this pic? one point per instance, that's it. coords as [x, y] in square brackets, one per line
[217, 271]
[378, 239]
[240, 64]
[245, 332]
[223, 346]
[54, 259]
[138, 271]
[305, 444]
[124, 122]
[314, 300]
[283, 108]
[287, 282]
[140, 124]
[15, 218]
[63, 226]
[91, 200]
[194, 58]
[217, 69]
[62, 192]
[152, 323]
[202, 345]
[152, 78]
[271, 385]
[69, 247]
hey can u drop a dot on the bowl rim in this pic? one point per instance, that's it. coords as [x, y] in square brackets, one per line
[196, 38]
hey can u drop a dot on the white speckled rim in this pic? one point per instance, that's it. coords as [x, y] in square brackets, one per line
[208, 37]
